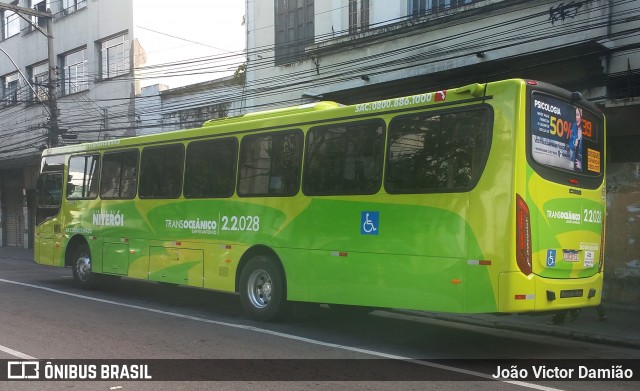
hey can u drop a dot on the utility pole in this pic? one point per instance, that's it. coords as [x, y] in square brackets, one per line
[53, 128]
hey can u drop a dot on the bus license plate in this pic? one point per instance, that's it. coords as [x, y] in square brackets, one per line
[571, 293]
[570, 255]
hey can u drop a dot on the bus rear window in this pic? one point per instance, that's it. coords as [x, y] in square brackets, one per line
[565, 137]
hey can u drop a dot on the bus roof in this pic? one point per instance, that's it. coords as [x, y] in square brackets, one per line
[287, 115]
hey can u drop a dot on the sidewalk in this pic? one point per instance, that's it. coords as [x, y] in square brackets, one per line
[622, 326]
[16, 253]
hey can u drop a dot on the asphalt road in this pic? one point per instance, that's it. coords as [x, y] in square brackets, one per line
[43, 315]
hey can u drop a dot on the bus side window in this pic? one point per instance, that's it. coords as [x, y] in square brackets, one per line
[270, 164]
[161, 171]
[437, 151]
[210, 169]
[344, 158]
[82, 181]
[119, 175]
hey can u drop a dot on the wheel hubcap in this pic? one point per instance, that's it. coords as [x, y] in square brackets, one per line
[83, 267]
[259, 288]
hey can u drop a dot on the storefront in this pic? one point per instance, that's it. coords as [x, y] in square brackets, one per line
[17, 206]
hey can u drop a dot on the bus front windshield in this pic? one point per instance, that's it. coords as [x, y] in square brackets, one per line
[49, 188]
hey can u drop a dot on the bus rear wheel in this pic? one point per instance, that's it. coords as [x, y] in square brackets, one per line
[82, 273]
[263, 289]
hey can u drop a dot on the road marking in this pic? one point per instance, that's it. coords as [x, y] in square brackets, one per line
[281, 335]
[16, 353]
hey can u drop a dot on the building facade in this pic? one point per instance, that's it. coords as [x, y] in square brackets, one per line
[100, 62]
[94, 53]
[163, 109]
[363, 50]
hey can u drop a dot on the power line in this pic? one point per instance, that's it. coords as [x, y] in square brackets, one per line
[401, 58]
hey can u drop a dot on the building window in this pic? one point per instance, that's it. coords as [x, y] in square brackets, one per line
[364, 14]
[10, 89]
[40, 81]
[294, 29]
[74, 73]
[358, 20]
[11, 22]
[438, 5]
[71, 6]
[418, 8]
[459, 3]
[40, 6]
[353, 16]
[114, 54]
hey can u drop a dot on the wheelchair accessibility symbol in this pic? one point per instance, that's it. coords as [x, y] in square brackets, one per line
[369, 223]
[551, 258]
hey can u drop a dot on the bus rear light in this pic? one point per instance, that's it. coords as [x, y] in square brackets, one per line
[602, 243]
[523, 236]
[529, 296]
[574, 181]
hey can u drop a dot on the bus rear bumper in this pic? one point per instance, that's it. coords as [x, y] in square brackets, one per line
[520, 293]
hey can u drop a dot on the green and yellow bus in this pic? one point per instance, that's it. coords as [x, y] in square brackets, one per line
[481, 199]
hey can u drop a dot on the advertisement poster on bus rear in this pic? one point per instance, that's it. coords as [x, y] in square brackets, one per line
[558, 130]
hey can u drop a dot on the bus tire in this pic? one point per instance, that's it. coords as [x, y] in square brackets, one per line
[82, 272]
[263, 289]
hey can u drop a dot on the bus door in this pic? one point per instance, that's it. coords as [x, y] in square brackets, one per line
[49, 234]
[565, 185]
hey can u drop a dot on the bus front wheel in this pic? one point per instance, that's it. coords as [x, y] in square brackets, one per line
[82, 273]
[263, 289]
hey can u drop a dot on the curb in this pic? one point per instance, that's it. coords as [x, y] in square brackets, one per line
[553, 331]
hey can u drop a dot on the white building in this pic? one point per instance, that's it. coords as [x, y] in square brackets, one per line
[101, 61]
[94, 53]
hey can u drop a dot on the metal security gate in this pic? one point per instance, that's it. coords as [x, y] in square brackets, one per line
[14, 213]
